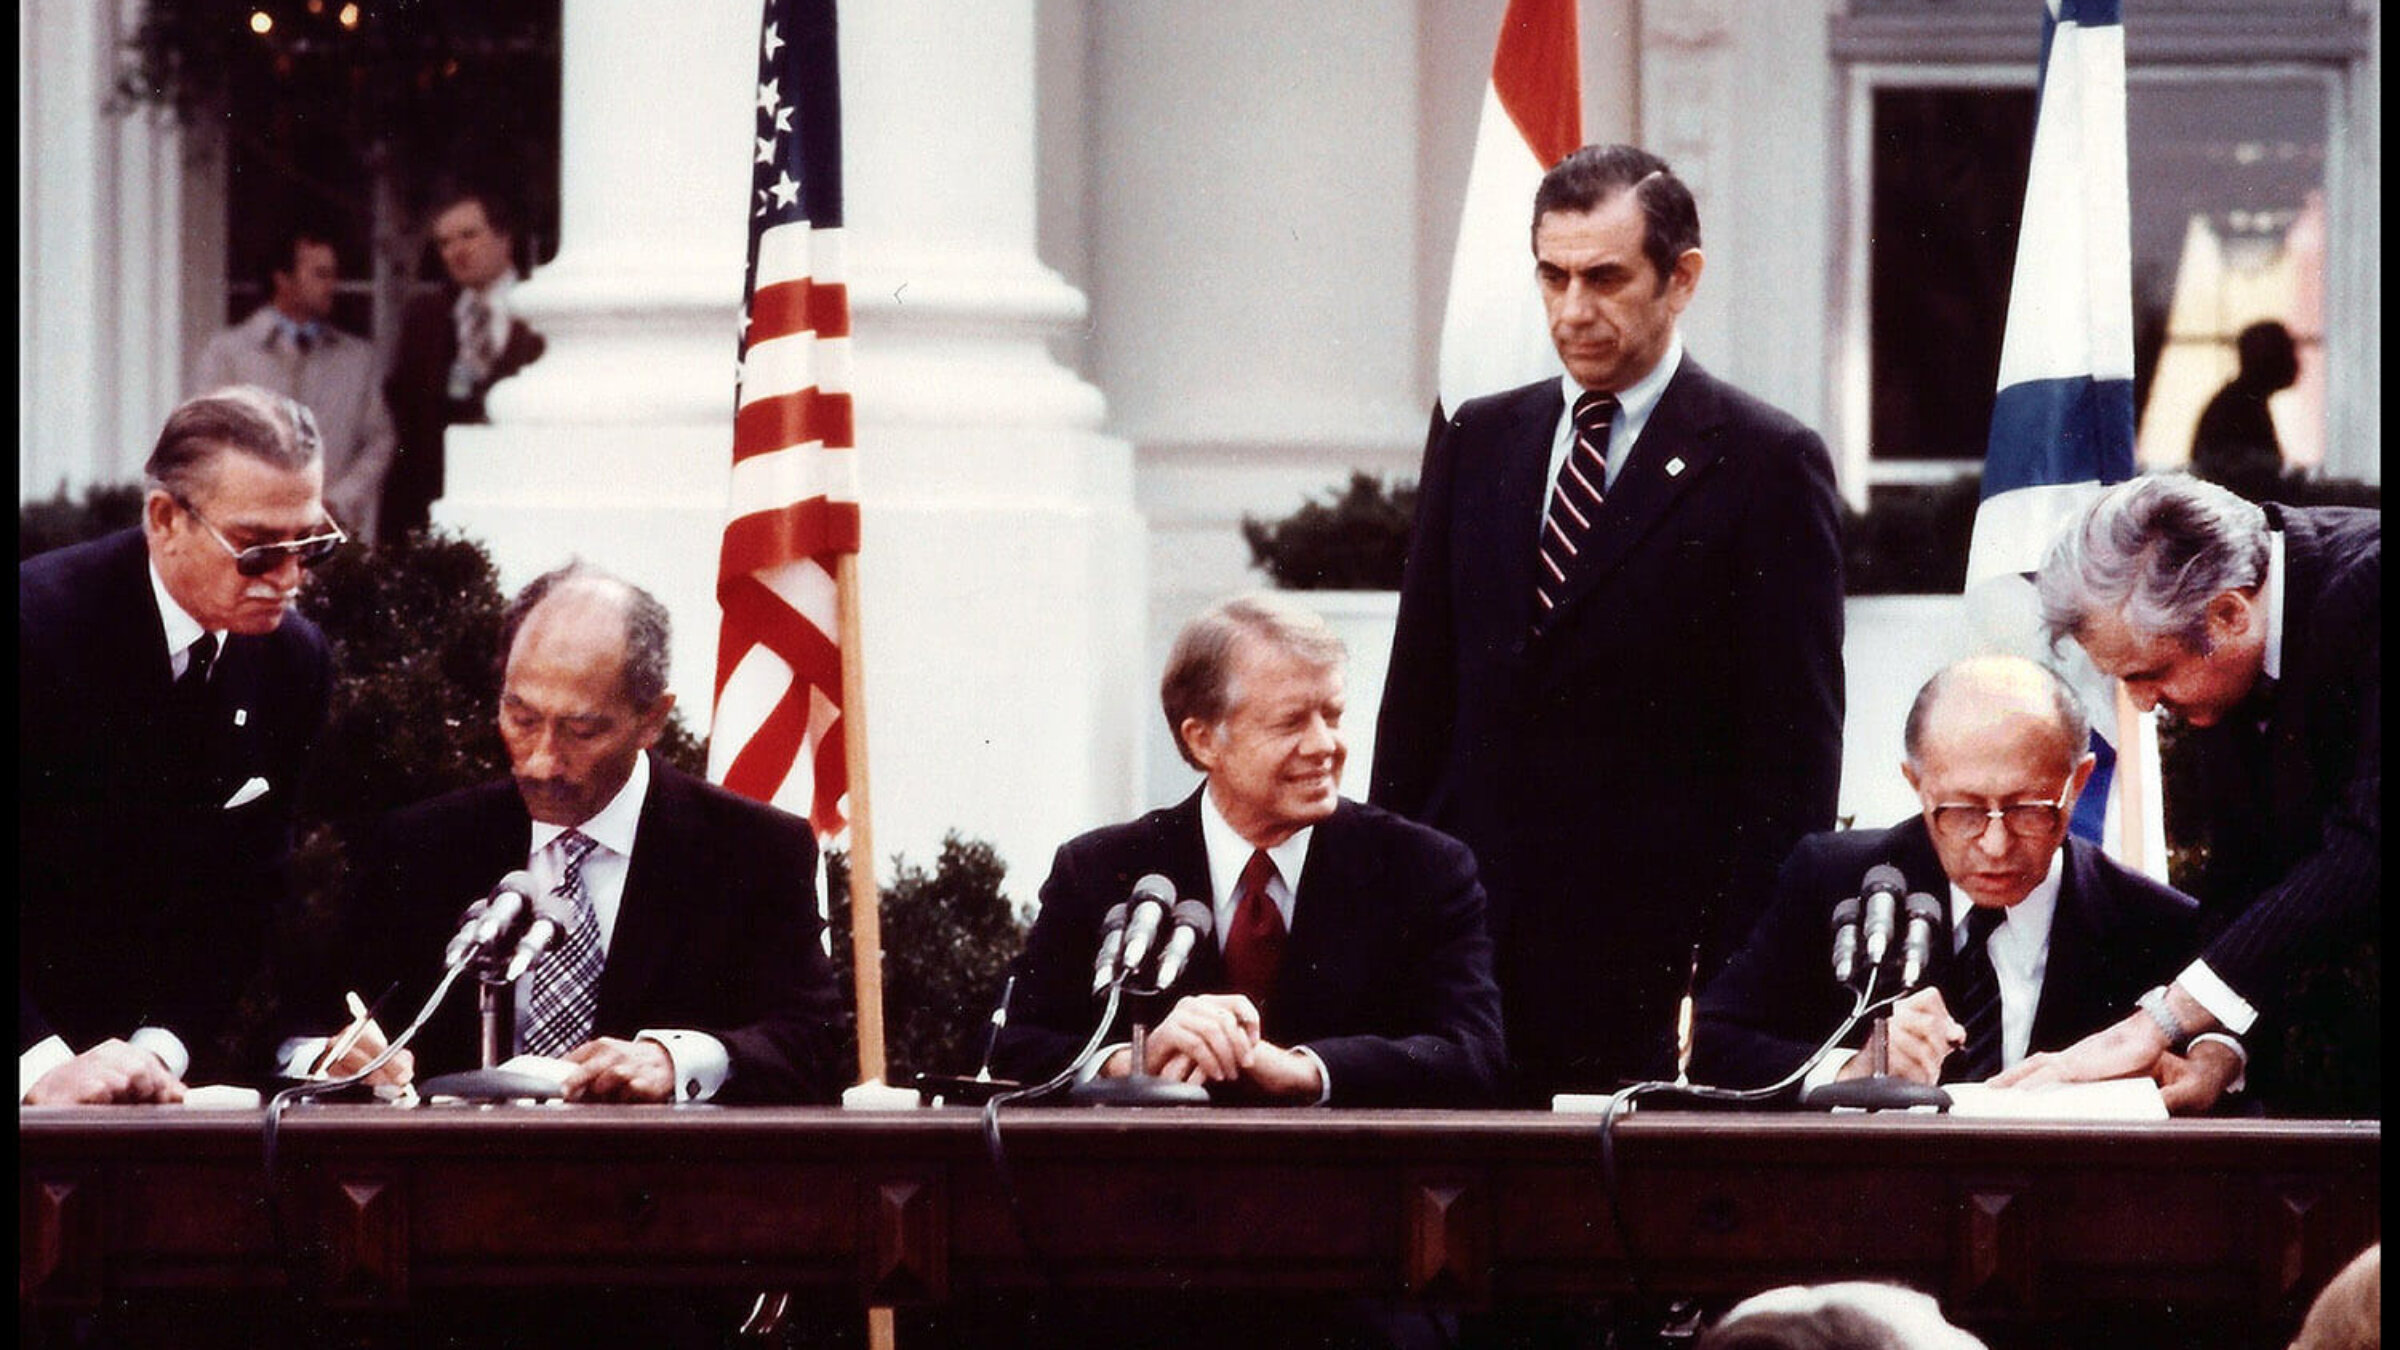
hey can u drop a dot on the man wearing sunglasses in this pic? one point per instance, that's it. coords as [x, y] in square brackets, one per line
[168, 700]
[1995, 751]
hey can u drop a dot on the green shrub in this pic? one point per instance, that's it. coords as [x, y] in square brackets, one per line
[60, 521]
[1357, 540]
[948, 938]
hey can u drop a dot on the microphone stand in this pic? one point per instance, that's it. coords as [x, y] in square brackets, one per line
[1879, 1090]
[496, 1009]
[1140, 1087]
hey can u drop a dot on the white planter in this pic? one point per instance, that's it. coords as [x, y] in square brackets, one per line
[1364, 621]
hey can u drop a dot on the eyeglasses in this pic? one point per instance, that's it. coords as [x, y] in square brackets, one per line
[2025, 820]
[260, 559]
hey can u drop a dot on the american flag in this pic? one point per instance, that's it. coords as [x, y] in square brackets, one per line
[2062, 427]
[793, 510]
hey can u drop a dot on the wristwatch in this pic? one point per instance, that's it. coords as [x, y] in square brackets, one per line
[2155, 1004]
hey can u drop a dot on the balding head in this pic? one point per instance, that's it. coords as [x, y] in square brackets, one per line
[1983, 696]
[1996, 752]
[583, 691]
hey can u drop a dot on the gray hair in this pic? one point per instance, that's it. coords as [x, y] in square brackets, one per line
[1592, 176]
[646, 625]
[2153, 552]
[2066, 709]
[243, 418]
[1199, 679]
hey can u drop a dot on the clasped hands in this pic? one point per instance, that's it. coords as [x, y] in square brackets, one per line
[1922, 1033]
[1213, 1038]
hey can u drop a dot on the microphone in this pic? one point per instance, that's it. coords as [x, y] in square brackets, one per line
[1149, 901]
[1112, 941]
[1916, 953]
[1879, 897]
[492, 918]
[552, 915]
[1845, 940]
[1194, 921]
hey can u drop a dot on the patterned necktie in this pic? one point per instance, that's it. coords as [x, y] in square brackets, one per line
[479, 350]
[1575, 501]
[1978, 1008]
[566, 985]
[1254, 944]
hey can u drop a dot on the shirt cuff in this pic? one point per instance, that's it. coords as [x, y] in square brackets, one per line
[2232, 1011]
[698, 1060]
[1324, 1075]
[2241, 1056]
[167, 1046]
[297, 1057]
[46, 1055]
[1829, 1068]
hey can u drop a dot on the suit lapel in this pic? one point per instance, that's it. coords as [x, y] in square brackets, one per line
[1505, 527]
[646, 935]
[2074, 963]
[1677, 449]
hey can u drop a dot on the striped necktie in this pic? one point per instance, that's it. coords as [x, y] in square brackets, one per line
[1977, 986]
[566, 985]
[1574, 501]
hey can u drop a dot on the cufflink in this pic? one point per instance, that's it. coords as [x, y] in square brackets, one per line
[1675, 467]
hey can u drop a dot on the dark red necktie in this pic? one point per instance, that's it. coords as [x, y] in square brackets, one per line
[1254, 945]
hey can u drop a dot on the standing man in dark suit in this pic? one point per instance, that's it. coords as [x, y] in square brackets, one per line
[1349, 964]
[2044, 939]
[2260, 629]
[1617, 674]
[167, 703]
[453, 347]
[701, 975]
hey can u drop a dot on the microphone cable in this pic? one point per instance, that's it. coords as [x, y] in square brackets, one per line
[273, 1123]
[1863, 1006]
[997, 1151]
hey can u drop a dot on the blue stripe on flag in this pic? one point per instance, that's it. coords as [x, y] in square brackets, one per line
[2070, 430]
[2091, 809]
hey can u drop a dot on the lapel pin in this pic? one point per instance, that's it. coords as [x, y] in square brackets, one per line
[1675, 466]
[241, 717]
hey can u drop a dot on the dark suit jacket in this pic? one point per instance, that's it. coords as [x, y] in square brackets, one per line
[718, 929]
[1386, 975]
[1630, 779]
[142, 899]
[418, 393]
[2295, 822]
[2115, 934]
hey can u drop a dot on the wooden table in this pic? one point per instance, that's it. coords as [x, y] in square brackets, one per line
[2004, 1220]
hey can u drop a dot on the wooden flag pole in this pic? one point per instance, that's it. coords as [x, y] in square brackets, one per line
[2132, 823]
[866, 901]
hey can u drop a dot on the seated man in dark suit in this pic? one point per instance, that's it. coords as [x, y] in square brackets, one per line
[693, 968]
[1350, 963]
[2062, 935]
[168, 701]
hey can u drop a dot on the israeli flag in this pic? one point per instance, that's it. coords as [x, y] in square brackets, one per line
[2062, 428]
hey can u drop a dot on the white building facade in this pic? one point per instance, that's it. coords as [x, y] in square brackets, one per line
[1122, 273]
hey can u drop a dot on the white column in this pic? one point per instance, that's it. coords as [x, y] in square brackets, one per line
[100, 235]
[1002, 556]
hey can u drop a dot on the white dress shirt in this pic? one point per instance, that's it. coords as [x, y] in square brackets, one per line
[1635, 403]
[700, 1061]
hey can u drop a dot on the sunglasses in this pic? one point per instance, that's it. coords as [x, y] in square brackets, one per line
[260, 559]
